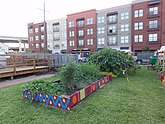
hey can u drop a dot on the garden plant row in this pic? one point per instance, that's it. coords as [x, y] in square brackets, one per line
[66, 102]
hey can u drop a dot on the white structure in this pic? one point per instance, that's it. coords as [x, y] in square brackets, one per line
[4, 48]
[13, 43]
[56, 35]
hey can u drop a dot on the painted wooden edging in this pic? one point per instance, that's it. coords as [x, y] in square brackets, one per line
[66, 102]
[163, 80]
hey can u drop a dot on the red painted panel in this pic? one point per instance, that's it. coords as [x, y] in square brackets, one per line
[75, 98]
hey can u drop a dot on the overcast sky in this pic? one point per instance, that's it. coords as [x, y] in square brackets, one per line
[15, 14]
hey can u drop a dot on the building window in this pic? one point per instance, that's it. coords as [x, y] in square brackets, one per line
[49, 37]
[89, 42]
[56, 36]
[31, 38]
[71, 33]
[125, 27]
[138, 13]
[153, 24]
[138, 26]
[63, 44]
[101, 30]
[42, 45]
[36, 37]
[153, 11]
[80, 23]
[31, 30]
[71, 24]
[101, 41]
[49, 27]
[81, 42]
[63, 25]
[124, 39]
[111, 41]
[100, 19]
[36, 30]
[31, 45]
[89, 31]
[89, 21]
[81, 33]
[112, 29]
[153, 37]
[71, 43]
[56, 28]
[42, 37]
[63, 35]
[37, 45]
[124, 16]
[56, 46]
[112, 18]
[138, 38]
[42, 29]
[49, 45]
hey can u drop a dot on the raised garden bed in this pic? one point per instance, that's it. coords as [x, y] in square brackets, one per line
[66, 102]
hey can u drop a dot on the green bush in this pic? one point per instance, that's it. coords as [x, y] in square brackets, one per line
[87, 72]
[74, 75]
[111, 60]
[67, 75]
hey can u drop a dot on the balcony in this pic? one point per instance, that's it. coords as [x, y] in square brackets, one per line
[80, 36]
[56, 38]
[149, 29]
[112, 32]
[80, 46]
[152, 15]
[80, 25]
[111, 44]
[111, 22]
[153, 2]
[153, 42]
[56, 29]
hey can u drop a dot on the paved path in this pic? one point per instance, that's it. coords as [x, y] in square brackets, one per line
[22, 80]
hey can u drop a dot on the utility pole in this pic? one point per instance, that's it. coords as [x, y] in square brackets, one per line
[45, 32]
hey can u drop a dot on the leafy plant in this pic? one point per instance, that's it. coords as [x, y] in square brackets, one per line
[45, 86]
[67, 75]
[111, 60]
[87, 72]
[73, 75]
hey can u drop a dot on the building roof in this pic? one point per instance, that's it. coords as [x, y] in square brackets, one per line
[11, 39]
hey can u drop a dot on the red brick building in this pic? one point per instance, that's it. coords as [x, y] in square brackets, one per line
[37, 37]
[148, 24]
[81, 32]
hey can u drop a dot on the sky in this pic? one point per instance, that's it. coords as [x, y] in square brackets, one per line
[16, 14]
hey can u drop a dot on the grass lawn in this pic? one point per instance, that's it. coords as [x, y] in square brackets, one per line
[141, 101]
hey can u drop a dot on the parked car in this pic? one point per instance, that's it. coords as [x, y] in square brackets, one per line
[142, 57]
[82, 57]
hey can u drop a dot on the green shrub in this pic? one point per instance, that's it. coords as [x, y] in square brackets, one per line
[111, 60]
[74, 75]
[87, 73]
[67, 75]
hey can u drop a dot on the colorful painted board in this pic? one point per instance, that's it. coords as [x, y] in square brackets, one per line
[66, 102]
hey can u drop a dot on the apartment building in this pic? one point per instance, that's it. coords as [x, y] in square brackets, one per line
[148, 24]
[113, 28]
[81, 32]
[56, 35]
[37, 37]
